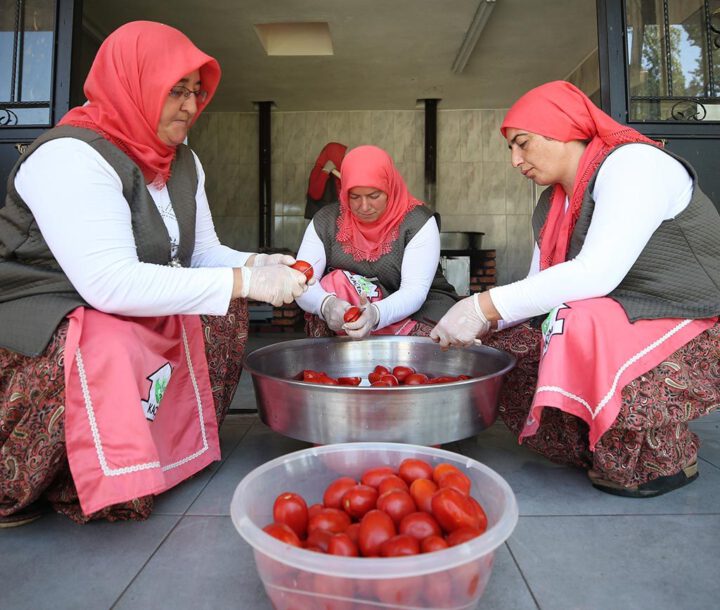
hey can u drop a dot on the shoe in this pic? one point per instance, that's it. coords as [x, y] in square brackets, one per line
[651, 489]
[22, 517]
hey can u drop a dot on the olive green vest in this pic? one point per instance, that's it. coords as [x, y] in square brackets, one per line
[677, 275]
[387, 269]
[35, 294]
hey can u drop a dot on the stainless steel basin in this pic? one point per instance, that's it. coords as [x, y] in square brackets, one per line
[430, 414]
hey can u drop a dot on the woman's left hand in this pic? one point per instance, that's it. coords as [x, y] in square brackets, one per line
[366, 323]
[263, 260]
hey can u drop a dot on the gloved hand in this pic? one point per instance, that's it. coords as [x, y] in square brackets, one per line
[366, 323]
[274, 284]
[462, 324]
[332, 311]
[263, 260]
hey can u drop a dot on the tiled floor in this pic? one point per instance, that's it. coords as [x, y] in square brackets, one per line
[573, 547]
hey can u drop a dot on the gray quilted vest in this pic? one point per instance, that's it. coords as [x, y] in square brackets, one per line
[35, 294]
[677, 275]
[387, 268]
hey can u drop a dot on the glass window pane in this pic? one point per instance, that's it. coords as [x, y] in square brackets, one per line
[7, 35]
[37, 56]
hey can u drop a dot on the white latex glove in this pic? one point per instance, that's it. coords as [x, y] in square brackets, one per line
[332, 311]
[263, 260]
[274, 284]
[462, 324]
[366, 323]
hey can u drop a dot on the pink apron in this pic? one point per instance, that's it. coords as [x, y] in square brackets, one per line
[139, 408]
[348, 287]
[591, 351]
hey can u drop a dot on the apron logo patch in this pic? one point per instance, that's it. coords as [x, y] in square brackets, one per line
[362, 284]
[552, 326]
[159, 381]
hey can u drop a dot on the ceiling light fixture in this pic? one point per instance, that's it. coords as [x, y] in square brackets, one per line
[473, 34]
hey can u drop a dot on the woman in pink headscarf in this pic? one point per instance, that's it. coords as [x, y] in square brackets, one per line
[112, 387]
[379, 249]
[626, 282]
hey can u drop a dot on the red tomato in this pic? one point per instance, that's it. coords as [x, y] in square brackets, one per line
[464, 377]
[327, 380]
[283, 532]
[412, 468]
[422, 491]
[375, 528]
[453, 510]
[358, 500]
[332, 498]
[416, 379]
[319, 539]
[456, 480]
[310, 375]
[462, 534]
[373, 377]
[391, 482]
[383, 383]
[469, 581]
[479, 513]
[352, 313]
[433, 543]
[331, 519]
[402, 592]
[375, 476]
[397, 503]
[420, 525]
[314, 510]
[353, 531]
[342, 544]
[401, 372]
[443, 379]
[387, 377]
[305, 268]
[381, 369]
[442, 469]
[438, 590]
[349, 380]
[399, 546]
[291, 509]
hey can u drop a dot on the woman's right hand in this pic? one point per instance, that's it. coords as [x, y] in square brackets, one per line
[332, 311]
[274, 284]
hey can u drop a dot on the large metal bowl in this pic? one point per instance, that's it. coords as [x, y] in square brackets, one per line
[428, 415]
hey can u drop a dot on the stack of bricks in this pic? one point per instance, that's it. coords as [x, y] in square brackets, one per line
[287, 318]
[482, 270]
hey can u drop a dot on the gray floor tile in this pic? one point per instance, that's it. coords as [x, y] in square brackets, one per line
[506, 588]
[620, 562]
[203, 564]
[708, 429]
[55, 563]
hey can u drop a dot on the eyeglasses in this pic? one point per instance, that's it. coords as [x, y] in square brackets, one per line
[178, 91]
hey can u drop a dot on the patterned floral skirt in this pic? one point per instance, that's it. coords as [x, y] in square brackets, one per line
[316, 327]
[650, 437]
[33, 460]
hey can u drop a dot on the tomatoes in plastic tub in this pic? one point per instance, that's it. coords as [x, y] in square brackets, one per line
[282, 532]
[332, 498]
[375, 528]
[291, 509]
[411, 469]
[453, 510]
[305, 268]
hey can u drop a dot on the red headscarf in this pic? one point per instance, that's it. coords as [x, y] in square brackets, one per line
[559, 110]
[370, 166]
[331, 152]
[129, 81]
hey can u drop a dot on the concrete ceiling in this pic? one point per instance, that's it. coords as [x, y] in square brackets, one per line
[387, 53]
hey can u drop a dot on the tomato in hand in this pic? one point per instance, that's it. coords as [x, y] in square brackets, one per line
[291, 509]
[341, 544]
[401, 372]
[332, 498]
[283, 532]
[416, 379]
[397, 503]
[391, 482]
[433, 543]
[375, 476]
[453, 509]
[332, 520]
[352, 313]
[422, 491]
[375, 528]
[400, 546]
[420, 525]
[412, 468]
[358, 500]
[305, 268]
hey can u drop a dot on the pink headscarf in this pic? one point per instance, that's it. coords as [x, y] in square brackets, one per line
[370, 166]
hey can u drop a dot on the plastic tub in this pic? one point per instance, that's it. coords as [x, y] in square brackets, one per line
[296, 579]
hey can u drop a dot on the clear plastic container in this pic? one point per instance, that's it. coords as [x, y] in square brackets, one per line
[296, 579]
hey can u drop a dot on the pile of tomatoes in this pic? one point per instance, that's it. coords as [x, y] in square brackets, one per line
[387, 513]
[381, 376]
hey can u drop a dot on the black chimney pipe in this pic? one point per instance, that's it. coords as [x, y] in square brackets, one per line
[265, 175]
[430, 151]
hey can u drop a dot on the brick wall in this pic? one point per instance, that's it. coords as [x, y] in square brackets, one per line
[483, 270]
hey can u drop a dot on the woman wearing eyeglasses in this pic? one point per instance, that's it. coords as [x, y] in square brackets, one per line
[108, 256]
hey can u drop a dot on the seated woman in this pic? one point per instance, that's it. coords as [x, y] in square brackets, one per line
[379, 248]
[626, 266]
[108, 253]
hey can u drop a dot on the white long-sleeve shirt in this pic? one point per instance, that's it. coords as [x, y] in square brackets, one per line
[419, 264]
[637, 188]
[76, 198]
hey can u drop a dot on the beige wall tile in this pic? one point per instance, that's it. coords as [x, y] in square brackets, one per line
[520, 241]
[361, 128]
[338, 127]
[239, 232]
[295, 137]
[317, 136]
[518, 192]
[448, 136]
[471, 136]
[383, 123]
[494, 145]
[295, 188]
[248, 137]
[403, 136]
[492, 197]
[451, 188]
[473, 177]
